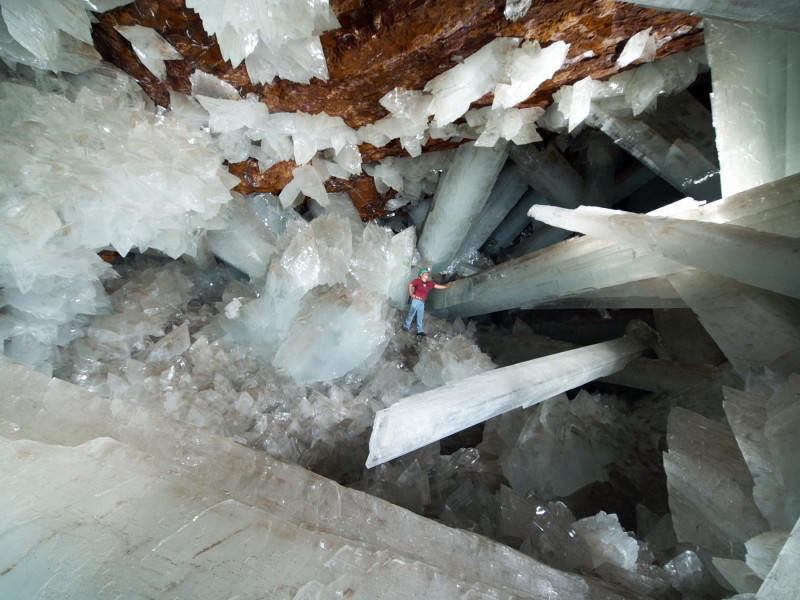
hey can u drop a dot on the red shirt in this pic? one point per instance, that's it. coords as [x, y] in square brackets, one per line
[421, 288]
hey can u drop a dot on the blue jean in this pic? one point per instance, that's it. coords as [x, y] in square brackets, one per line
[418, 309]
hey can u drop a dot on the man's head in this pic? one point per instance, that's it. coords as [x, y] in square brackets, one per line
[424, 274]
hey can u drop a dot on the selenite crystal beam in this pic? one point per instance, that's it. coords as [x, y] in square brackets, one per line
[677, 161]
[656, 292]
[424, 418]
[755, 76]
[586, 263]
[506, 193]
[754, 328]
[760, 259]
[515, 221]
[458, 201]
[548, 172]
[782, 14]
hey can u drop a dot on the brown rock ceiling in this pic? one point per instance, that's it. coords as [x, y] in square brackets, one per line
[383, 45]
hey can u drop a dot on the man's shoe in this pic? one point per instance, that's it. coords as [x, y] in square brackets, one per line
[421, 333]
[405, 328]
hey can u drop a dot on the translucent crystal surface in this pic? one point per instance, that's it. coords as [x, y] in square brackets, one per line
[197, 500]
[755, 135]
[430, 416]
[150, 47]
[641, 46]
[276, 37]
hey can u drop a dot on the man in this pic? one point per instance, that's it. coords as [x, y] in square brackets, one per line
[418, 290]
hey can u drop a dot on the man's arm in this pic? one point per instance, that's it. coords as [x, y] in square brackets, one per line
[441, 287]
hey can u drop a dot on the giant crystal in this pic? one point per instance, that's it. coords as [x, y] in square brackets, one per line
[200, 501]
[430, 416]
[761, 259]
[586, 264]
[458, 201]
[757, 135]
[710, 488]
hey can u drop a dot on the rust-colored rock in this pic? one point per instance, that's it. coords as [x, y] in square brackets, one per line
[380, 46]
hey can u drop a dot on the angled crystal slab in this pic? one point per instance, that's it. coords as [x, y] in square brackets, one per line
[586, 264]
[506, 193]
[458, 201]
[679, 154]
[548, 172]
[710, 488]
[755, 328]
[781, 14]
[194, 506]
[754, 78]
[760, 259]
[783, 580]
[424, 418]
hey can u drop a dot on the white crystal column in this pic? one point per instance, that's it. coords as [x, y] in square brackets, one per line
[516, 220]
[783, 14]
[458, 201]
[760, 259]
[753, 327]
[422, 419]
[755, 77]
[548, 172]
[507, 191]
[586, 263]
[679, 153]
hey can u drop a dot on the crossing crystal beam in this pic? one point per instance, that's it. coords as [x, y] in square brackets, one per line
[424, 418]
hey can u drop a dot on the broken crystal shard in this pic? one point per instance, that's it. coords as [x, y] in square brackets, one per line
[710, 488]
[641, 46]
[738, 575]
[150, 47]
[515, 9]
[467, 185]
[607, 541]
[783, 580]
[748, 415]
[174, 343]
[424, 418]
[763, 551]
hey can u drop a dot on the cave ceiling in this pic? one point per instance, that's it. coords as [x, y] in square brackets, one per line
[384, 45]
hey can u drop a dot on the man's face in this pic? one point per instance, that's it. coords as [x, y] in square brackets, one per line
[424, 276]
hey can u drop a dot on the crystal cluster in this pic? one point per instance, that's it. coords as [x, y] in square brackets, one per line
[91, 169]
[628, 93]
[277, 37]
[55, 37]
